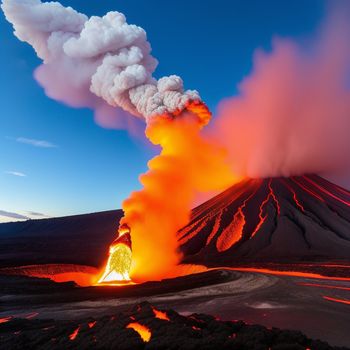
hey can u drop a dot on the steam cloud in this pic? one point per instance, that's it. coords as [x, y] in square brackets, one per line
[292, 114]
[88, 62]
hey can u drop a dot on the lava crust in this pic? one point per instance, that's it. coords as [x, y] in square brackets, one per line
[146, 327]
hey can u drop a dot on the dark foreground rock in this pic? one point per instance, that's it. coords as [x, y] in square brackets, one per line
[165, 330]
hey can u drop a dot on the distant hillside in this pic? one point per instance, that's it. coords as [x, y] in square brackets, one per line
[79, 239]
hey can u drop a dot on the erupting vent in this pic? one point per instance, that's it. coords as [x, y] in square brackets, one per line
[270, 219]
[120, 257]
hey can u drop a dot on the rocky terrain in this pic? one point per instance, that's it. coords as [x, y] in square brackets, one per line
[144, 326]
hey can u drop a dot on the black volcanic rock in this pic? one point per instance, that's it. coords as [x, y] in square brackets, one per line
[80, 239]
[280, 219]
[167, 330]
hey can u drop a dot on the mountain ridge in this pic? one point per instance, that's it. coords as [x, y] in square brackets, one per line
[274, 219]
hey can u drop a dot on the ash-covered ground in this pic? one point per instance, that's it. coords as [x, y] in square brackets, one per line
[146, 327]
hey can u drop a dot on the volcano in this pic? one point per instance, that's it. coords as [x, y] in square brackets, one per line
[304, 218]
[276, 219]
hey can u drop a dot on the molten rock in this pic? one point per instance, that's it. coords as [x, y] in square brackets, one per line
[120, 258]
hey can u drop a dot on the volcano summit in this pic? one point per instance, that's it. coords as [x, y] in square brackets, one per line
[279, 219]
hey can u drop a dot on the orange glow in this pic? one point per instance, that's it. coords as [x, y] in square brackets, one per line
[262, 217]
[187, 164]
[31, 315]
[74, 334]
[272, 194]
[296, 200]
[307, 189]
[233, 233]
[200, 110]
[325, 191]
[120, 257]
[92, 324]
[288, 273]
[5, 319]
[341, 301]
[142, 330]
[160, 314]
[80, 278]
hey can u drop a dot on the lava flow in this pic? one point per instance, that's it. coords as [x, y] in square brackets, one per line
[142, 330]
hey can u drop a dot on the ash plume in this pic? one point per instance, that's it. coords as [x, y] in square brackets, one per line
[91, 62]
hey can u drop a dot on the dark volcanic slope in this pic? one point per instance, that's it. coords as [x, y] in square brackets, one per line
[299, 218]
[145, 327]
[270, 220]
[80, 239]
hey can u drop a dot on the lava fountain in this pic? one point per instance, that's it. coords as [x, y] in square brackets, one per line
[120, 257]
[162, 207]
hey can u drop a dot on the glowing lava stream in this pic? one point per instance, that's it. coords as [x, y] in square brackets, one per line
[341, 301]
[162, 315]
[74, 334]
[142, 330]
[287, 273]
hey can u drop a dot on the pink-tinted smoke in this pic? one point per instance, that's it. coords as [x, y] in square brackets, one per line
[66, 83]
[292, 114]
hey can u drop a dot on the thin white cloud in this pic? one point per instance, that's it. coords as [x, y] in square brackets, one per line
[36, 214]
[13, 215]
[15, 173]
[36, 143]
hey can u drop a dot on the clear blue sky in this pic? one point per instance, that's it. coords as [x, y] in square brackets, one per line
[208, 43]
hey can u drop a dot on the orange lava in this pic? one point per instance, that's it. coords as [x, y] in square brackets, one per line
[341, 301]
[234, 232]
[91, 324]
[312, 193]
[295, 198]
[74, 334]
[288, 273]
[80, 278]
[5, 319]
[119, 261]
[272, 194]
[262, 217]
[325, 191]
[142, 330]
[160, 314]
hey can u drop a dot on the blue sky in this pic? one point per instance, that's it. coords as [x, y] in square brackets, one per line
[84, 168]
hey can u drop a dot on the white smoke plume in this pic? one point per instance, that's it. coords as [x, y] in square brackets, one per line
[90, 61]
